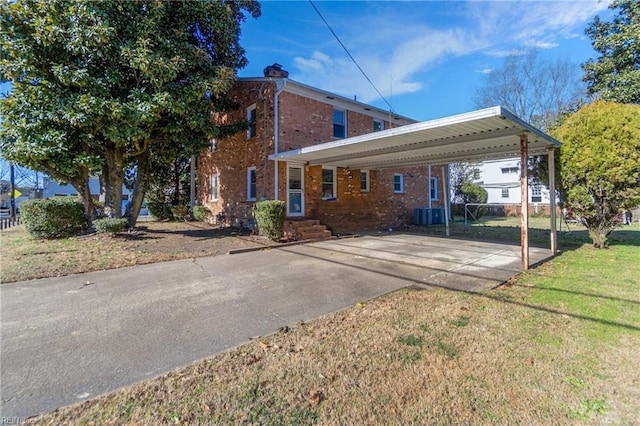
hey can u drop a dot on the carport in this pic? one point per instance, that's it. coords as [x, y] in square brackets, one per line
[486, 134]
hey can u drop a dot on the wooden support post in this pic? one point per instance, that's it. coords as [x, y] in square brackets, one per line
[524, 201]
[552, 199]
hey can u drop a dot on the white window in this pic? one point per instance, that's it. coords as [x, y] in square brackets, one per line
[509, 170]
[378, 125]
[398, 183]
[433, 188]
[328, 183]
[214, 145]
[214, 187]
[251, 119]
[476, 173]
[339, 123]
[252, 177]
[364, 180]
[536, 194]
[505, 192]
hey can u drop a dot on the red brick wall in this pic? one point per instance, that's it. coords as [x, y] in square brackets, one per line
[304, 122]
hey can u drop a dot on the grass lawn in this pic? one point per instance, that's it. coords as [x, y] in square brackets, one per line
[558, 345]
[25, 258]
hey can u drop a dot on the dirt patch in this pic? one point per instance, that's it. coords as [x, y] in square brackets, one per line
[25, 258]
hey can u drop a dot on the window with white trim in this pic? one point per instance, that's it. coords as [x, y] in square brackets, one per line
[378, 125]
[364, 180]
[398, 183]
[510, 170]
[214, 187]
[251, 119]
[339, 123]
[214, 145]
[536, 194]
[505, 192]
[328, 183]
[433, 188]
[476, 173]
[252, 187]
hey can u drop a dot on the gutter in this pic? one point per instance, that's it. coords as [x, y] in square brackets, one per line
[280, 85]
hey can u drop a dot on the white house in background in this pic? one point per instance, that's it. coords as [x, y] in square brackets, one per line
[501, 180]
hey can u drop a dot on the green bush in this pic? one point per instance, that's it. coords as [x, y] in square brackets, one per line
[109, 225]
[160, 210]
[270, 216]
[57, 217]
[200, 213]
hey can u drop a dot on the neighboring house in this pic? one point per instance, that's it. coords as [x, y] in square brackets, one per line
[285, 115]
[501, 180]
[52, 188]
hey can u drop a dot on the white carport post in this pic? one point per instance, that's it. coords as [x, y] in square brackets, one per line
[445, 199]
[552, 199]
[524, 201]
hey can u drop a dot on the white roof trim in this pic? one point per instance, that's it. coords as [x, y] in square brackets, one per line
[485, 134]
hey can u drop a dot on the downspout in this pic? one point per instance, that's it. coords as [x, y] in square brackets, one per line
[429, 187]
[280, 85]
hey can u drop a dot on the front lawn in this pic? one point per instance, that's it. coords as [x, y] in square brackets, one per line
[558, 345]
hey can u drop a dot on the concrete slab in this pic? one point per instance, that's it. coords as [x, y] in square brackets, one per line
[70, 338]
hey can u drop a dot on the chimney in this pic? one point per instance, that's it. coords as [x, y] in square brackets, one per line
[275, 70]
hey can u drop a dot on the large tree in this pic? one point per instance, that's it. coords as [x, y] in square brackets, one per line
[537, 89]
[615, 74]
[600, 164]
[100, 87]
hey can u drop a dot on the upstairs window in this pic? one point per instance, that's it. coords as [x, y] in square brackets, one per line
[251, 119]
[328, 183]
[252, 178]
[509, 170]
[398, 183]
[339, 123]
[378, 125]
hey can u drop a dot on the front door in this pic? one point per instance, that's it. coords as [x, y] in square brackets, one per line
[295, 192]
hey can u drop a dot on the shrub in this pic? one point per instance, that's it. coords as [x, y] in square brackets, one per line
[180, 212]
[109, 225]
[270, 216]
[160, 210]
[200, 212]
[57, 217]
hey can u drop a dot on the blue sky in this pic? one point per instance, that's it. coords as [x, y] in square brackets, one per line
[427, 58]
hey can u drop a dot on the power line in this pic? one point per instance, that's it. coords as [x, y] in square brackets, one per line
[352, 58]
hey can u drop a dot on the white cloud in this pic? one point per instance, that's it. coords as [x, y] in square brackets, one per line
[486, 70]
[395, 42]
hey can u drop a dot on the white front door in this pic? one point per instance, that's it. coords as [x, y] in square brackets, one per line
[295, 191]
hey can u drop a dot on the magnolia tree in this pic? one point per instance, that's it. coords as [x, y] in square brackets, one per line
[600, 165]
[105, 87]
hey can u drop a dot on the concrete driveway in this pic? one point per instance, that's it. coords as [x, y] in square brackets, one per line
[72, 338]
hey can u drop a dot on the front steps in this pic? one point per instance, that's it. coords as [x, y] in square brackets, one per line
[311, 229]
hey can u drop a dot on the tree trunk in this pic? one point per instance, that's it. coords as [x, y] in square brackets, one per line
[113, 176]
[139, 190]
[81, 184]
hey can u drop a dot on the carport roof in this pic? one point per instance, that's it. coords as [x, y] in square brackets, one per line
[491, 133]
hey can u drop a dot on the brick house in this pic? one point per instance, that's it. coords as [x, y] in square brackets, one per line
[287, 115]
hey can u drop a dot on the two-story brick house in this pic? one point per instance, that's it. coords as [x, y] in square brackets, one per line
[285, 115]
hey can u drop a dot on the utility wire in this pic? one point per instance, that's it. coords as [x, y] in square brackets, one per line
[352, 58]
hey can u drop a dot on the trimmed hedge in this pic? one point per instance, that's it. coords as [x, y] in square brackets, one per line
[109, 225]
[160, 211]
[57, 217]
[270, 217]
[200, 213]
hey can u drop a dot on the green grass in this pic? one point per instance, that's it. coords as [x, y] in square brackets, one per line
[558, 345]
